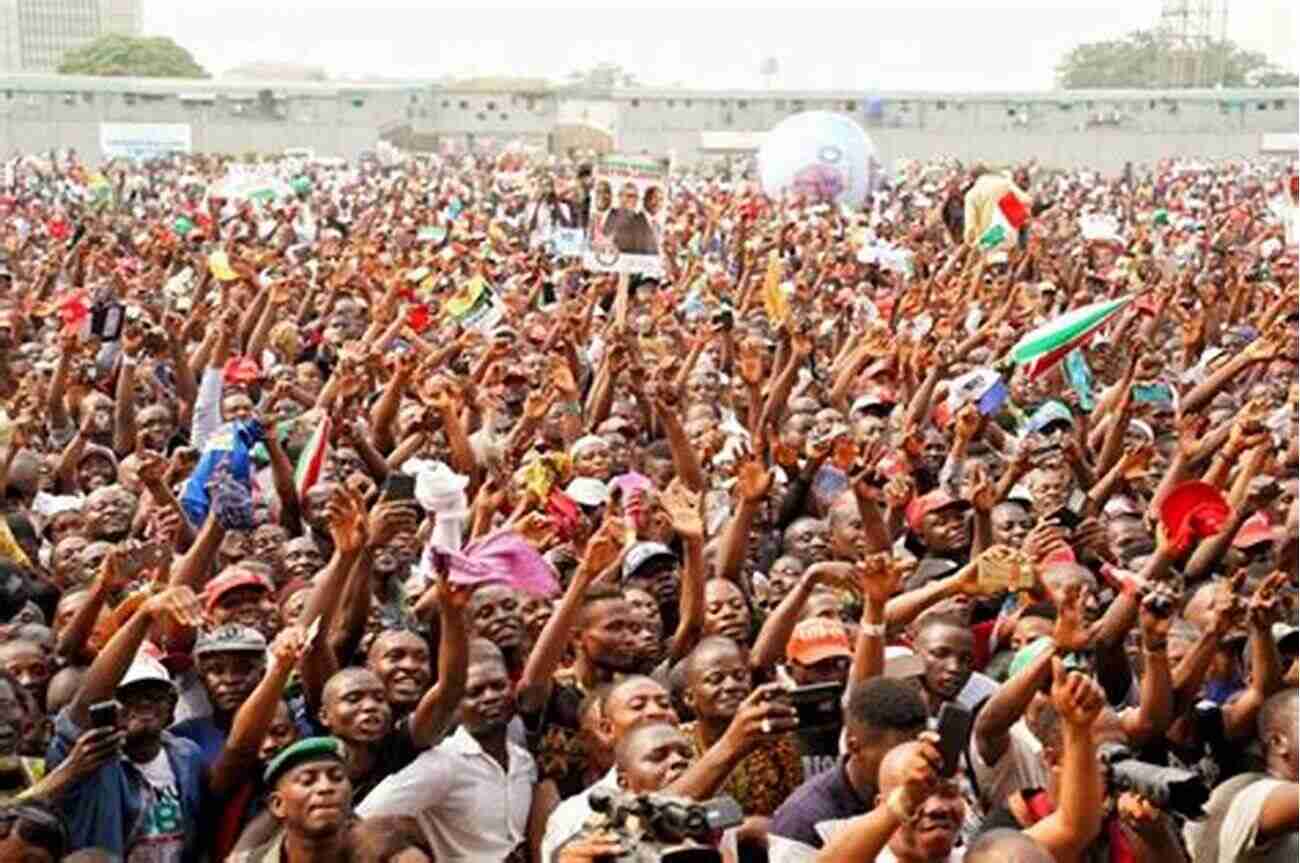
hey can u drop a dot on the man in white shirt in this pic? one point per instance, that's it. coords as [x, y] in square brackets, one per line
[470, 794]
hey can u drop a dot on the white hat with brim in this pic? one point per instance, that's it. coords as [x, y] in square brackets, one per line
[145, 669]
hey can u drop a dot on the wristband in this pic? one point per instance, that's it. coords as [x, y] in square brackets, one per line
[873, 630]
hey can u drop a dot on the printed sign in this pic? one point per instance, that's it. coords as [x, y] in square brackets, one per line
[627, 215]
[144, 140]
[475, 305]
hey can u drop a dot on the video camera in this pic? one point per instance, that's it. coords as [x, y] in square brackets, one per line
[1170, 788]
[662, 829]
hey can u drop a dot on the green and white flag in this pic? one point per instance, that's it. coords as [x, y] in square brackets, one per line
[1043, 348]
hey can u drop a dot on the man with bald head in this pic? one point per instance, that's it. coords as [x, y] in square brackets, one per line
[628, 703]
[1254, 817]
[917, 816]
[1006, 846]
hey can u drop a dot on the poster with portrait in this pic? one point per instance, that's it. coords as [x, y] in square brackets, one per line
[627, 216]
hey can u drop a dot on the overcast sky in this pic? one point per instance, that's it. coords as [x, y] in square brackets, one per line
[921, 46]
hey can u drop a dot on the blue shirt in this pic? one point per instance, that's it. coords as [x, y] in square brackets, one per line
[102, 809]
[203, 733]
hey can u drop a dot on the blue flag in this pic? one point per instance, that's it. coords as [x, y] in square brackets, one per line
[229, 450]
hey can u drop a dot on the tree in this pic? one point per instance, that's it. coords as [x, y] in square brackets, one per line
[140, 57]
[1144, 60]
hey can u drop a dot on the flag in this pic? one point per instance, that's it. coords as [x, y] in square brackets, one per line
[1008, 216]
[312, 458]
[774, 299]
[229, 451]
[1043, 348]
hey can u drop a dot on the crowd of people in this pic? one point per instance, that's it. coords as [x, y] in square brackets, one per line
[312, 553]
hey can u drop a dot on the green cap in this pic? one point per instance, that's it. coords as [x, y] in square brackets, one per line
[309, 749]
[1028, 654]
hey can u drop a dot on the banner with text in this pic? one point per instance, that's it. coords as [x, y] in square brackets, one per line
[144, 140]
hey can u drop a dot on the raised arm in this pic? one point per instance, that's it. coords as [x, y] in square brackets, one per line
[239, 755]
[433, 715]
[1076, 823]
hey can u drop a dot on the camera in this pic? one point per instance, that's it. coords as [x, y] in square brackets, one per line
[658, 828]
[1170, 788]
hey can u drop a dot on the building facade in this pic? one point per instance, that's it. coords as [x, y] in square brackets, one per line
[35, 34]
[1104, 129]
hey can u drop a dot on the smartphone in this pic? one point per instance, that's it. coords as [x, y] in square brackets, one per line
[398, 487]
[1154, 393]
[817, 705]
[104, 714]
[954, 734]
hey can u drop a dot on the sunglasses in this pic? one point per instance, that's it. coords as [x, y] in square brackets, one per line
[35, 827]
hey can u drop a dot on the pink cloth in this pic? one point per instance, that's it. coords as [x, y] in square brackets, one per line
[500, 558]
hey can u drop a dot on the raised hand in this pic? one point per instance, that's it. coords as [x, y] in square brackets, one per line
[346, 513]
[1077, 697]
[753, 480]
[879, 577]
[288, 646]
[749, 363]
[1266, 603]
[388, 520]
[1159, 603]
[1070, 632]
[603, 549]
[922, 771]
[683, 506]
[762, 718]
[179, 603]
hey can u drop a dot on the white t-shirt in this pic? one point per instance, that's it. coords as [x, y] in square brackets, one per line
[159, 835]
[1021, 766]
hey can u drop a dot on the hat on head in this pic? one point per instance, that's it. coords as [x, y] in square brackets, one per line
[145, 669]
[815, 639]
[232, 579]
[1048, 413]
[1027, 654]
[230, 638]
[875, 397]
[922, 506]
[1253, 531]
[241, 370]
[1193, 510]
[585, 443]
[643, 553]
[308, 749]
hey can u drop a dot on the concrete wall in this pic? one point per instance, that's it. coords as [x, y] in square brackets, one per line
[223, 119]
[1098, 128]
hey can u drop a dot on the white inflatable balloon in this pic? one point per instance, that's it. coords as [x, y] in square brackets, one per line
[818, 155]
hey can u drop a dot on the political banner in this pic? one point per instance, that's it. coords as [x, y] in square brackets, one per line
[144, 140]
[476, 306]
[627, 214]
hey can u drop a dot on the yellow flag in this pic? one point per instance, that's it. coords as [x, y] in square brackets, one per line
[774, 299]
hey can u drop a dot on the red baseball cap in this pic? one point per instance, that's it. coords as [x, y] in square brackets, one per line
[922, 506]
[230, 580]
[1254, 530]
[817, 638]
[1193, 510]
[241, 370]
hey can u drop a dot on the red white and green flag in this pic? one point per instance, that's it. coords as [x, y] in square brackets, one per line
[311, 461]
[1008, 216]
[1043, 348]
